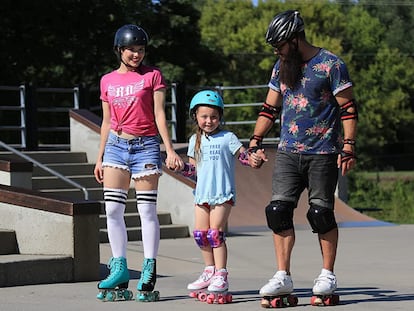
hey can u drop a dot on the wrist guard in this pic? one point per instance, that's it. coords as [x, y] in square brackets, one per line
[258, 139]
[189, 170]
[347, 155]
[244, 158]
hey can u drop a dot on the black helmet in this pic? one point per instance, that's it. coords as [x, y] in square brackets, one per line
[284, 26]
[129, 35]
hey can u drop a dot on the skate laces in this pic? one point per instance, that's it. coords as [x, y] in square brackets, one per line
[279, 278]
[206, 275]
[147, 270]
[326, 278]
[219, 279]
[114, 265]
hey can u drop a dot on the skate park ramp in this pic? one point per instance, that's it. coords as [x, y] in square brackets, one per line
[254, 191]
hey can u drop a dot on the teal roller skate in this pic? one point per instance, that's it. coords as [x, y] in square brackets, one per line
[115, 286]
[147, 281]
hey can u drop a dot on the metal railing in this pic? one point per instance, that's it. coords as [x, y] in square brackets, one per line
[44, 167]
[23, 106]
[220, 90]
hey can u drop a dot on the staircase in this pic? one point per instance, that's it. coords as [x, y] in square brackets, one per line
[74, 166]
[17, 269]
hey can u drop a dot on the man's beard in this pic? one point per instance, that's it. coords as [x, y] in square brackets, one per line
[290, 71]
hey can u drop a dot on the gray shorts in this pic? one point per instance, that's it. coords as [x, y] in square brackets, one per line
[294, 172]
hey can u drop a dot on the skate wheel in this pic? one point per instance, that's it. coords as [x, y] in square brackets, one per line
[265, 303]
[335, 299]
[292, 300]
[100, 296]
[193, 294]
[127, 295]
[156, 295]
[331, 300]
[275, 303]
[316, 301]
[202, 297]
[210, 298]
[229, 298]
[110, 296]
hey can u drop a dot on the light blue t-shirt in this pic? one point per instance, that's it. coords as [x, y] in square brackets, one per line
[215, 167]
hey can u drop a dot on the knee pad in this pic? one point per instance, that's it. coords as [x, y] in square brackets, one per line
[200, 236]
[321, 219]
[215, 237]
[279, 215]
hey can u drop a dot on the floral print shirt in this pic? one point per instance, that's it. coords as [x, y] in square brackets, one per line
[310, 119]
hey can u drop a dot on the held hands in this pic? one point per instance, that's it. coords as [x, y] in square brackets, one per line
[257, 157]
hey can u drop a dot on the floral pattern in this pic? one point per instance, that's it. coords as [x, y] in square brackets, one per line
[310, 121]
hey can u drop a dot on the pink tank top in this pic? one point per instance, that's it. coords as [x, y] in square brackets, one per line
[131, 100]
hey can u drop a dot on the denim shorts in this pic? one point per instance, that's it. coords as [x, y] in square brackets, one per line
[294, 172]
[140, 156]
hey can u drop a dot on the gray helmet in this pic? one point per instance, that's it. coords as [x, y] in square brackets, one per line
[284, 26]
[129, 35]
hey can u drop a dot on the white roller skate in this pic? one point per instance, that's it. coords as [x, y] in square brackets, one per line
[324, 288]
[198, 287]
[278, 292]
[218, 288]
[115, 286]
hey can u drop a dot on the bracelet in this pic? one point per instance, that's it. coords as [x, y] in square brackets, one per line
[349, 142]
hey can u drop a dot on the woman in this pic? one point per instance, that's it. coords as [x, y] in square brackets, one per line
[133, 100]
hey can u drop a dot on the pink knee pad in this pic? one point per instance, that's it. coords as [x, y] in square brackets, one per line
[200, 236]
[215, 237]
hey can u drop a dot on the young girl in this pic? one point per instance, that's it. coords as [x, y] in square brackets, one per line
[133, 99]
[211, 153]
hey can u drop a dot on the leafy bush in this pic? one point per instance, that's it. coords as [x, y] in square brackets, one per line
[390, 192]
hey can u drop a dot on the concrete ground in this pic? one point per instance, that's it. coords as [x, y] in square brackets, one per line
[374, 268]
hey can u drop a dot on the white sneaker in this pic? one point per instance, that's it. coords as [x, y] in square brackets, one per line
[280, 284]
[203, 280]
[325, 284]
[219, 281]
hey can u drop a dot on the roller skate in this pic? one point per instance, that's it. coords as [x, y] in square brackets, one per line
[147, 281]
[218, 288]
[115, 286]
[198, 288]
[323, 290]
[277, 292]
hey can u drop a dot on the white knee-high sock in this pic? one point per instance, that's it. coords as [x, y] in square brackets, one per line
[147, 208]
[115, 200]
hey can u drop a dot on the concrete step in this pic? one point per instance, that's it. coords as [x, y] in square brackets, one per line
[17, 270]
[66, 169]
[166, 232]
[75, 166]
[8, 242]
[46, 157]
[52, 182]
[133, 219]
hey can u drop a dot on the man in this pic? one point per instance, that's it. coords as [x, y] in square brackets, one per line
[311, 88]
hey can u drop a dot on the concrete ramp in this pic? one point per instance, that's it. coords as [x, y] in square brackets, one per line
[254, 190]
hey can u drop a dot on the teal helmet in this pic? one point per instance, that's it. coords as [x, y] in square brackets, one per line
[206, 98]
